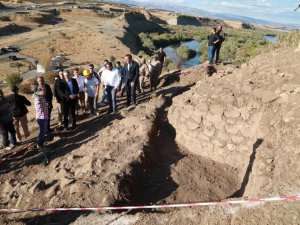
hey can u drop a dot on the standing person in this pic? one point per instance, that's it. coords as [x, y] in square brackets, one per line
[104, 95]
[161, 58]
[94, 74]
[213, 39]
[57, 81]
[221, 35]
[19, 111]
[80, 81]
[41, 113]
[111, 80]
[48, 97]
[144, 74]
[6, 124]
[130, 72]
[68, 91]
[154, 68]
[92, 87]
[119, 68]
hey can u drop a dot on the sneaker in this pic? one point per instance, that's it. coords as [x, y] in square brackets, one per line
[19, 140]
[40, 146]
[10, 147]
[91, 115]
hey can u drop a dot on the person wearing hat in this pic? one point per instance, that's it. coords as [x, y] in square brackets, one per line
[19, 111]
[91, 84]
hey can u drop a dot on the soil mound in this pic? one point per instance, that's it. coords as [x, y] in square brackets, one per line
[13, 28]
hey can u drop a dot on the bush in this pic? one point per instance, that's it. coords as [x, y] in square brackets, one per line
[184, 53]
[14, 79]
[203, 49]
[25, 88]
[49, 77]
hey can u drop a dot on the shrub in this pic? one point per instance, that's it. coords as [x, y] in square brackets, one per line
[25, 88]
[203, 49]
[183, 52]
[14, 79]
[49, 77]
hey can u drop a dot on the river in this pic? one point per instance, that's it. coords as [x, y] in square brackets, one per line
[194, 45]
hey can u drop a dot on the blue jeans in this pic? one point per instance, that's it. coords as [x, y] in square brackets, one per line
[111, 96]
[211, 53]
[43, 128]
[8, 128]
[104, 96]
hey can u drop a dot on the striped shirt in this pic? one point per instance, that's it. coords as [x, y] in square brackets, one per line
[41, 107]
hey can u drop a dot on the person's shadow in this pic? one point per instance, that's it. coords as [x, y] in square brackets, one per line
[241, 191]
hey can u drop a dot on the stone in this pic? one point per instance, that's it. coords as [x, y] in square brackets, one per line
[244, 113]
[192, 125]
[237, 139]
[232, 113]
[38, 183]
[52, 191]
[223, 135]
[232, 129]
[228, 99]
[74, 188]
[209, 132]
[231, 147]
[269, 96]
[217, 109]
[258, 93]
[269, 161]
[253, 104]
[203, 137]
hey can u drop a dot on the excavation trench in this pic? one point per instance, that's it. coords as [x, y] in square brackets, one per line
[169, 174]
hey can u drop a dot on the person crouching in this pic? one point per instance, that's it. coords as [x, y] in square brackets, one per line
[111, 80]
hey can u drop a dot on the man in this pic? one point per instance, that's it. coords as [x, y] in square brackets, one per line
[68, 91]
[144, 74]
[92, 88]
[57, 80]
[6, 124]
[154, 68]
[48, 97]
[19, 110]
[213, 39]
[111, 80]
[42, 114]
[94, 74]
[80, 81]
[130, 72]
[104, 95]
[161, 58]
[218, 45]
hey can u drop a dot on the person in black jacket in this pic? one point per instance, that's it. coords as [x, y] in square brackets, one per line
[213, 39]
[6, 124]
[57, 80]
[68, 91]
[130, 73]
[48, 97]
[19, 111]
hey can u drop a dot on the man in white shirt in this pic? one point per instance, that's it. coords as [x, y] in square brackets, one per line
[80, 80]
[104, 95]
[111, 80]
[92, 88]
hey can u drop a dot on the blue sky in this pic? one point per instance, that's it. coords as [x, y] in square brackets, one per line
[280, 11]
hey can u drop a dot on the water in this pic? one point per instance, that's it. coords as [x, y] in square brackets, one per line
[194, 45]
[271, 38]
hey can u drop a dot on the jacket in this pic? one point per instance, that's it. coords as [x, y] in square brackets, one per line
[132, 74]
[18, 104]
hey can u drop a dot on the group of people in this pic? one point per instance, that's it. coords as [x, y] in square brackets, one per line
[215, 40]
[71, 93]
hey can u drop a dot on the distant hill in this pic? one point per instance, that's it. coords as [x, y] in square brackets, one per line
[200, 12]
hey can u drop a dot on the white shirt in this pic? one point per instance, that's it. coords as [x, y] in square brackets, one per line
[101, 70]
[91, 86]
[111, 78]
[80, 81]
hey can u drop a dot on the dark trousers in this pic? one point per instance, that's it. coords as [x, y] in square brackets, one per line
[49, 118]
[43, 126]
[111, 96]
[8, 129]
[69, 108]
[91, 101]
[130, 91]
[218, 47]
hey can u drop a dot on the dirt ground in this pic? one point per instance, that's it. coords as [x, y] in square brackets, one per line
[197, 138]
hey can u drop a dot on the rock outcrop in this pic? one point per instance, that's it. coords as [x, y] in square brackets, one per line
[249, 120]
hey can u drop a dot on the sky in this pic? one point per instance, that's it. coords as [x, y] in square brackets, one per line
[279, 11]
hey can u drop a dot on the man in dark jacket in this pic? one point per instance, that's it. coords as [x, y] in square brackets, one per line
[57, 81]
[19, 111]
[130, 73]
[6, 124]
[218, 45]
[68, 91]
[48, 97]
